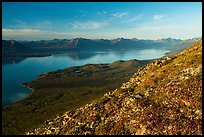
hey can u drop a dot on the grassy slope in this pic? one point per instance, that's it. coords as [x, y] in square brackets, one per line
[62, 90]
[165, 97]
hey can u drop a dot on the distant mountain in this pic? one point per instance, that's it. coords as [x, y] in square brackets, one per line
[168, 42]
[83, 44]
[184, 44]
[10, 47]
[181, 46]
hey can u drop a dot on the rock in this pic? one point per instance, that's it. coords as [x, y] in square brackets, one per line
[91, 125]
[138, 96]
[132, 100]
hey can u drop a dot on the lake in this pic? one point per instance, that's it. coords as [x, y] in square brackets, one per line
[27, 69]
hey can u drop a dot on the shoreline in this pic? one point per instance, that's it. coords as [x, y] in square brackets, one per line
[27, 87]
[32, 90]
[56, 93]
[47, 73]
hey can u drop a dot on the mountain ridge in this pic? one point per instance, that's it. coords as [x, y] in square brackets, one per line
[56, 46]
[82, 43]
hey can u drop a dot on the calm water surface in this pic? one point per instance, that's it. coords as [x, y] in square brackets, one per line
[27, 70]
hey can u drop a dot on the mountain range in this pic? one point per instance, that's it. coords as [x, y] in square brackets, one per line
[15, 51]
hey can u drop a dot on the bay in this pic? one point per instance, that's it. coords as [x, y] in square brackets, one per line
[13, 74]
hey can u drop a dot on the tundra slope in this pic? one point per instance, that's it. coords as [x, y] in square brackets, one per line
[164, 97]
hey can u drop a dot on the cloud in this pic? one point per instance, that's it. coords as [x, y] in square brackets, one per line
[43, 24]
[159, 17]
[19, 23]
[137, 17]
[7, 30]
[83, 10]
[32, 34]
[101, 12]
[120, 14]
[88, 24]
[30, 31]
[153, 30]
[19, 31]
[168, 30]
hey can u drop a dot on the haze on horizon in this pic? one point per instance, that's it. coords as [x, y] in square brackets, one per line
[96, 20]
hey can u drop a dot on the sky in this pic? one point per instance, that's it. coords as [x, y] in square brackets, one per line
[101, 20]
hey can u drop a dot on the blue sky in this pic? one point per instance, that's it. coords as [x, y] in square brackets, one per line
[107, 20]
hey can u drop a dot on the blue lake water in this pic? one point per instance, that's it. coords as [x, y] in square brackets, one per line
[13, 74]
